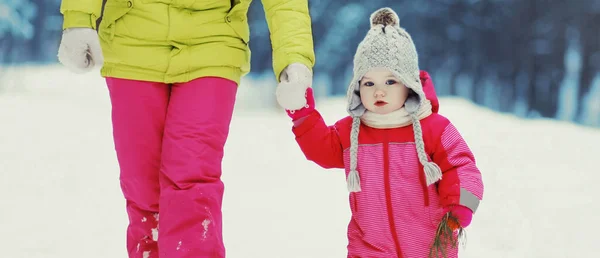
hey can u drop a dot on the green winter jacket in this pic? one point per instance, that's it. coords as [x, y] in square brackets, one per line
[180, 40]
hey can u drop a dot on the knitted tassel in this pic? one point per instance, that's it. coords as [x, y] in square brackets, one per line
[433, 173]
[353, 181]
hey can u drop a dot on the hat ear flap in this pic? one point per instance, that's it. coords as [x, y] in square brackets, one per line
[355, 106]
[412, 101]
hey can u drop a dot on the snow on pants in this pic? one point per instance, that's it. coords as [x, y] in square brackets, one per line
[169, 141]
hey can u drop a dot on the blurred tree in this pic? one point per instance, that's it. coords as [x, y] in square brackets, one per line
[528, 57]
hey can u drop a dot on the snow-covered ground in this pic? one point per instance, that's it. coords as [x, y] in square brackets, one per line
[60, 196]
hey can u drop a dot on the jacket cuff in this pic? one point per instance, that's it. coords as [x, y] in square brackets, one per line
[288, 59]
[465, 198]
[306, 125]
[77, 19]
[469, 200]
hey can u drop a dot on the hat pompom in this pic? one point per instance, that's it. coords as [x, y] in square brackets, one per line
[385, 16]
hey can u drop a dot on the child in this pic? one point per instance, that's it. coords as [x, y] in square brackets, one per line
[403, 179]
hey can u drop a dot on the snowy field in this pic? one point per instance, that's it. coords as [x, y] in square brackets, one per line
[60, 196]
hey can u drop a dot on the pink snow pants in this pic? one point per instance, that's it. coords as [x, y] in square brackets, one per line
[169, 142]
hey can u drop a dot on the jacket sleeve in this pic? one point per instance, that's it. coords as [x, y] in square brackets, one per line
[319, 143]
[80, 13]
[291, 33]
[461, 182]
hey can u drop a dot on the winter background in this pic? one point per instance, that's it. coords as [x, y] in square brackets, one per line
[520, 80]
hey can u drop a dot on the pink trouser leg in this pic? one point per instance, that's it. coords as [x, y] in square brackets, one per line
[196, 129]
[138, 115]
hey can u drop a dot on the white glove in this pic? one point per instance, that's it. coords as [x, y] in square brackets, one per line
[290, 92]
[80, 49]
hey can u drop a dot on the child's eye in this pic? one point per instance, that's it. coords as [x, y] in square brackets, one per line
[368, 84]
[391, 82]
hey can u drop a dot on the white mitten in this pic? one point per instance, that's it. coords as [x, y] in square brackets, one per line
[290, 92]
[80, 49]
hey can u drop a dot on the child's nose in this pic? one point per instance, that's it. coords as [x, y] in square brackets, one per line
[379, 93]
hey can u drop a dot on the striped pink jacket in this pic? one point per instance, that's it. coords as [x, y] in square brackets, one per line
[396, 214]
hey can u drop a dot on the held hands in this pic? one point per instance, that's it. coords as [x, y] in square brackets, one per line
[306, 110]
[295, 79]
[80, 49]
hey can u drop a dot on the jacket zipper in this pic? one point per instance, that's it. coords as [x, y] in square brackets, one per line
[388, 192]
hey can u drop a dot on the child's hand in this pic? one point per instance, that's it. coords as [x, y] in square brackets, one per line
[306, 110]
[462, 213]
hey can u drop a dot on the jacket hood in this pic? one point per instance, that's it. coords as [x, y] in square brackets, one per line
[429, 90]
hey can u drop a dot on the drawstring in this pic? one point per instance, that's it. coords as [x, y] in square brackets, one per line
[424, 185]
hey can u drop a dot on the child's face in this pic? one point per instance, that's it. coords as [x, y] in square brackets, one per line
[381, 92]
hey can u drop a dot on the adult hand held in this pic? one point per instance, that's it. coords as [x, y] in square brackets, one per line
[295, 79]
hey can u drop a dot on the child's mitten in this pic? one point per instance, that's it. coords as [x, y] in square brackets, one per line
[450, 229]
[306, 110]
[463, 214]
[80, 49]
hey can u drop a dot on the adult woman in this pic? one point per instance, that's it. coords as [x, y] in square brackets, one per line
[172, 68]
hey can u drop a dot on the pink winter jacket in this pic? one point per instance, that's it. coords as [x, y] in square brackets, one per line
[396, 214]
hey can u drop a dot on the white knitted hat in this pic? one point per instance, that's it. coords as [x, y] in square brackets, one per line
[387, 45]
